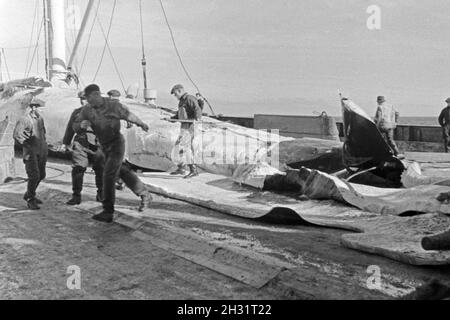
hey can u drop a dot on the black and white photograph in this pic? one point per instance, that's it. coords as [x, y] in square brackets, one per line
[224, 155]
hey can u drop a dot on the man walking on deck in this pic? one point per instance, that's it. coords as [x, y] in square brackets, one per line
[84, 150]
[188, 112]
[103, 115]
[444, 122]
[30, 133]
[386, 119]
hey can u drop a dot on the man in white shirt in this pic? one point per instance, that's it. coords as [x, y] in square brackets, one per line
[386, 119]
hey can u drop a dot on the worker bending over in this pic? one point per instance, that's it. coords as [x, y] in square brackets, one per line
[103, 115]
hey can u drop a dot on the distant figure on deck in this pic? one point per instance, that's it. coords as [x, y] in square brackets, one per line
[444, 122]
[386, 119]
[188, 112]
[114, 94]
[30, 133]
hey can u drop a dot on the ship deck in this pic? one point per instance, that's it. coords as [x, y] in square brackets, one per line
[181, 251]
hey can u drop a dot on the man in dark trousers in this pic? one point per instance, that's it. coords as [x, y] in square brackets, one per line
[444, 122]
[30, 133]
[188, 112]
[103, 115]
[84, 150]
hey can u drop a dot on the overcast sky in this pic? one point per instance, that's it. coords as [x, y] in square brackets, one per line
[283, 56]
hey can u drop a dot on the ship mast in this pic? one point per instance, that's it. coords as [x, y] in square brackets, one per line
[56, 39]
[46, 36]
[81, 32]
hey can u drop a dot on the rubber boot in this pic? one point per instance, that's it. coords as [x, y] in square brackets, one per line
[104, 216]
[74, 201]
[180, 171]
[32, 205]
[192, 172]
[437, 242]
[26, 198]
[77, 185]
[146, 201]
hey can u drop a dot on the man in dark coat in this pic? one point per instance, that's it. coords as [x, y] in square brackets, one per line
[103, 115]
[30, 133]
[84, 150]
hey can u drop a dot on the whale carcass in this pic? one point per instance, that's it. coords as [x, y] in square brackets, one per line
[220, 147]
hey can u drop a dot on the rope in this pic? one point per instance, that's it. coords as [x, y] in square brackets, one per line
[6, 64]
[18, 48]
[106, 41]
[89, 39]
[36, 47]
[31, 37]
[179, 55]
[112, 56]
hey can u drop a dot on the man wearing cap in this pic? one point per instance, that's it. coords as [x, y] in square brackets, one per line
[386, 119]
[30, 133]
[84, 150]
[114, 94]
[188, 112]
[103, 115]
[444, 122]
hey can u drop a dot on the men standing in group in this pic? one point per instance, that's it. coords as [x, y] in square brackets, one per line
[30, 133]
[84, 150]
[386, 119]
[188, 112]
[103, 115]
[444, 122]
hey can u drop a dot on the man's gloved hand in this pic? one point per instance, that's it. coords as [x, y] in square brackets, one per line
[85, 124]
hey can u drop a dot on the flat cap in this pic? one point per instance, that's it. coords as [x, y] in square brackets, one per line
[35, 102]
[91, 88]
[448, 100]
[381, 99]
[176, 87]
[114, 93]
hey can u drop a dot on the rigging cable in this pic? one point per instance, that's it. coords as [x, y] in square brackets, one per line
[6, 64]
[179, 55]
[36, 47]
[106, 41]
[144, 60]
[89, 39]
[31, 37]
[112, 56]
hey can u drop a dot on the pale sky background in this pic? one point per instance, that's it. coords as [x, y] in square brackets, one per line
[268, 56]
